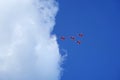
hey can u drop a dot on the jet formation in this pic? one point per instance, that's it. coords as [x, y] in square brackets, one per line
[73, 38]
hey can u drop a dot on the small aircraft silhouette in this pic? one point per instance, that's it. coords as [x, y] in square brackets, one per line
[62, 38]
[78, 42]
[81, 35]
[72, 38]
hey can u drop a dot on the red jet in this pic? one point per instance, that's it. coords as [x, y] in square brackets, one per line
[62, 38]
[81, 35]
[78, 42]
[72, 37]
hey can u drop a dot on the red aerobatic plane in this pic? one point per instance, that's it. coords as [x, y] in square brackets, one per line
[62, 38]
[72, 37]
[78, 42]
[81, 35]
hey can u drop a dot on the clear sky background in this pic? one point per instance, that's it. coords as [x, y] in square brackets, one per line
[98, 57]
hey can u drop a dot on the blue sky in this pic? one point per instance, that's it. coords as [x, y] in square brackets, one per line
[98, 57]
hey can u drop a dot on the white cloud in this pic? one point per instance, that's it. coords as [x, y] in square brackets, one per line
[28, 51]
